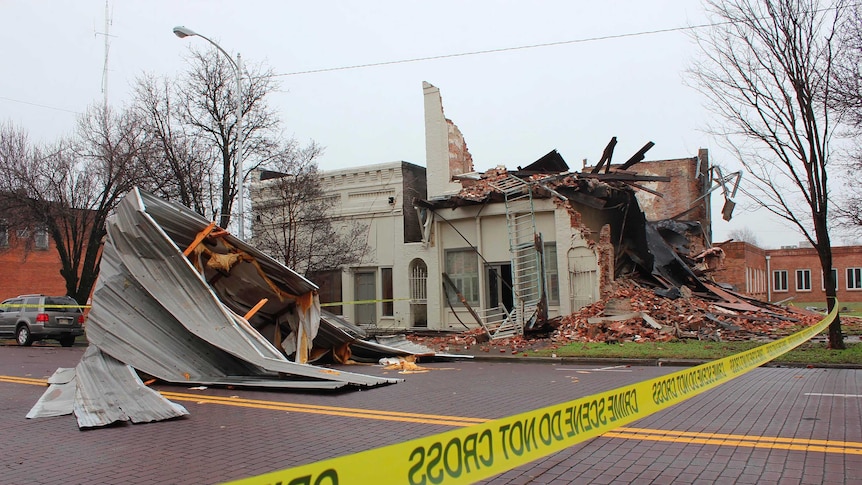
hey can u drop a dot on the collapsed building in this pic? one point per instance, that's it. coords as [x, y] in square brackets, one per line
[511, 248]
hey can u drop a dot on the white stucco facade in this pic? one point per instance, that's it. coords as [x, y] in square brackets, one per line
[399, 283]
[484, 228]
[377, 290]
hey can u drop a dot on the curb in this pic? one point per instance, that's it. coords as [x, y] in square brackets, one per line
[642, 362]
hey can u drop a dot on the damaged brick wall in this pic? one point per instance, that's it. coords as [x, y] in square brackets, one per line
[684, 187]
[446, 153]
[678, 193]
[605, 251]
[577, 225]
[460, 160]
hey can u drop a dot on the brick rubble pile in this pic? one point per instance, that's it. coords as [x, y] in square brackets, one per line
[686, 317]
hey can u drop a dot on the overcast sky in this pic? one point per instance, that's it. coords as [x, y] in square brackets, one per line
[615, 69]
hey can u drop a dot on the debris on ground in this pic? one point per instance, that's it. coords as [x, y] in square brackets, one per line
[636, 312]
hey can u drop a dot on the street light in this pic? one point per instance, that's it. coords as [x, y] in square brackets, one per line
[183, 32]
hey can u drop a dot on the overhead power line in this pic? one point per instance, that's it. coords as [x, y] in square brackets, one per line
[501, 49]
[40, 105]
[522, 47]
[466, 54]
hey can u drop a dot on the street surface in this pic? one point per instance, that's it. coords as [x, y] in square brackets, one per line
[770, 426]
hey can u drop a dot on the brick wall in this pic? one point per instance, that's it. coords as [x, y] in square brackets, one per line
[799, 268]
[679, 194]
[806, 260]
[745, 268]
[677, 198]
[30, 270]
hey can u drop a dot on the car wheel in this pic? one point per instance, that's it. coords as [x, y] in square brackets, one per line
[67, 340]
[23, 336]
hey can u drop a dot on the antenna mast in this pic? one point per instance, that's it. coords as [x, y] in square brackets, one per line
[107, 35]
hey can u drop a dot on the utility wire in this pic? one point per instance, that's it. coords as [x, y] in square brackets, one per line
[525, 47]
[501, 49]
[466, 54]
[40, 105]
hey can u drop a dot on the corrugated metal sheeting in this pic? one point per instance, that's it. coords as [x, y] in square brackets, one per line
[178, 318]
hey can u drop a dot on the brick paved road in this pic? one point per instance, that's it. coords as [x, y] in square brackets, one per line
[708, 439]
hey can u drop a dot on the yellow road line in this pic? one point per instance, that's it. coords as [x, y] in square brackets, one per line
[692, 434]
[297, 407]
[24, 380]
[849, 448]
[644, 434]
[328, 410]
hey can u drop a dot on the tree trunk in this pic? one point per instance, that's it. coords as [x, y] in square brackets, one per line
[824, 251]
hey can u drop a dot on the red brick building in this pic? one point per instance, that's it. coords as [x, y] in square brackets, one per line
[30, 263]
[791, 273]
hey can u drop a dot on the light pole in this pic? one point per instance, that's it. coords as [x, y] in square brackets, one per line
[183, 32]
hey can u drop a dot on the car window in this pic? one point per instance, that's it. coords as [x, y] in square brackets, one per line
[31, 304]
[65, 304]
[5, 306]
[13, 305]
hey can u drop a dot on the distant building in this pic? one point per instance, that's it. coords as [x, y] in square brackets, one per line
[791, 273]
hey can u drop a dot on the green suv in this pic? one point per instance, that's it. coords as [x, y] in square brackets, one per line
[35, 317]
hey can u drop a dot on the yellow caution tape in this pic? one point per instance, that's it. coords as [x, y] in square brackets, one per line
[473, 453]
[36, 305]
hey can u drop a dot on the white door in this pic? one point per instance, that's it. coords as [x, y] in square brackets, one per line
[583, 275]
[365, 290]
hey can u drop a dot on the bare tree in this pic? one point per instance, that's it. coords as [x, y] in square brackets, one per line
[768, 72]
[848, 100]
[295, 222]
[745, 234]
[186, 171]
[70, 187]
[194, 120]
[848, 86]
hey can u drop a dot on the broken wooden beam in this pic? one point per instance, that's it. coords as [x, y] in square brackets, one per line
[638, 157]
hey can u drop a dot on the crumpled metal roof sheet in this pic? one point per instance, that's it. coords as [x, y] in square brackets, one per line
[110, 391]
[174, 326]
[375, 348]
[100, 390]
[177, 318]
[59, 399]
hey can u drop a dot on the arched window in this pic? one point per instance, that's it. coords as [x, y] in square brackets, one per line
[418, 281]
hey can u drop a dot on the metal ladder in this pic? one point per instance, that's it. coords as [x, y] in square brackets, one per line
[526, 263]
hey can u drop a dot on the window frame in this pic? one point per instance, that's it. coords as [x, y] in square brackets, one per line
[466, 282]
[823, 279]
[803, 280]
[4, 233]
[854, 275]
[387, 292]
[784, 280]
[41, 241]
[552, 273]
